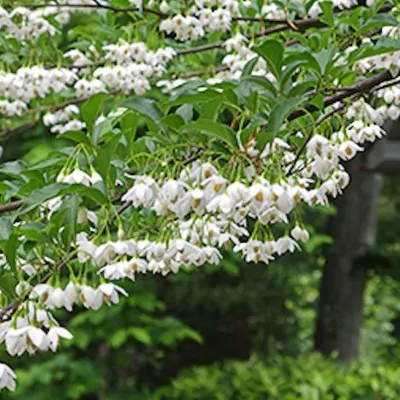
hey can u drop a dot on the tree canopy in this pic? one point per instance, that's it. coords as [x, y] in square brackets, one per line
[174, 133]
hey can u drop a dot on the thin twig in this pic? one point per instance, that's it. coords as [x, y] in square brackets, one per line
[14, 205]
[97, 6]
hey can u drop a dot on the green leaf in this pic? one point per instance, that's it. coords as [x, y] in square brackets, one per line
[212, 129]
[119, 338]
[186, 112]
[89, 192]
[10, 250]
[282, 111]
[12, 168]
[303, 58]
[173, 121]
[141, 335]
[327, 10]
[318, 101]
[31, 230]
[248, 68]
[272, 52]
[76, 136]
[7, 284]
[261, 82]
[71, 206]
[192, 98]
[91, 110]
[325, 59]
[316, 241]
[128, 124]
[302, 88]
[102, 129]
[146, 107]
[210, 109]
[39, 196]
[6, 227]
[104, 156]
[378, 21]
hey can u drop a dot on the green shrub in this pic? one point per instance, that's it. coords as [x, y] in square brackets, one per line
[305, 378]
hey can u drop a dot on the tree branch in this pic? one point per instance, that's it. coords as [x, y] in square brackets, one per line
[361, 86]
[14, 205]
[97, 6]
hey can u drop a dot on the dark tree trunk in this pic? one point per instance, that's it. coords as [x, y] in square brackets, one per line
[353, 229]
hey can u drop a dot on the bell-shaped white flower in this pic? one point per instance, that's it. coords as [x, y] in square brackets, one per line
[300, 234]
[142, 193]
[316, 146]
[54, 334]
[71, 293]
[28, 338]
[95, 178]
[109, 293]
[7, 377]
[349, 149]
[285, 244]
[78, 176]
[87, 295]
[283, 200]
[86, 249]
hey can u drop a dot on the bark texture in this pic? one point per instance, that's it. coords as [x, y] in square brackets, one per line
[353, 229]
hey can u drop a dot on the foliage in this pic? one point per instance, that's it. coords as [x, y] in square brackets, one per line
[304, 378]
[152, 162]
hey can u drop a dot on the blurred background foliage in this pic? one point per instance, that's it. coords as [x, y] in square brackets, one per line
[233, 331]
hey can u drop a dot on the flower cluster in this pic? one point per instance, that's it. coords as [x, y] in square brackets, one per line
[30, 83]
[63, 115]
[12, 108]
[22, 23]
[316, 10]
[200, 20]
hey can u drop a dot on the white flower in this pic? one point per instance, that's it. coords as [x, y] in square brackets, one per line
[54, 335]
[59, 299]
[207, 254]
[78, 176]
[22, 288]
[116, 270]
[87, 295]
[255, 251]
[285, 244]
[164, 7]
[213, 186]
[28, 338]
[156, 251]
[260, 196]
[4, 327]
[222, 203]
[300, 234]
[142, 193]
[271, 216]
[283, 200]
[348, 149]
[7, 377]
[317, 145]
[86, 249]
[109, 293]
[95, 178]
[41, 292]
[105, 253]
